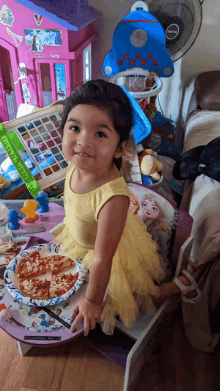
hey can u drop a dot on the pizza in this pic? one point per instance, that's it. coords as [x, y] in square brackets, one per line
[34, 265]
[31, 266]
[58, 263]
[35, 288]
[61, 284]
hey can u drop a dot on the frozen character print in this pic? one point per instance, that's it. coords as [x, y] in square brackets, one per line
[158, 225]
[34, 46]
[134, 203]
[44, 322]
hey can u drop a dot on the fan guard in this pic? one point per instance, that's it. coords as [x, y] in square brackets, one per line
[181, 21]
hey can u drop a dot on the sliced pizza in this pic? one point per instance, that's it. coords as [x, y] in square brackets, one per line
[61, 284]
[35, 288]
[31, 266]
[58, 263]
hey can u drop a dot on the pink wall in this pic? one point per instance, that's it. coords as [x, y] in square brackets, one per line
[20, 52]
[76, 37]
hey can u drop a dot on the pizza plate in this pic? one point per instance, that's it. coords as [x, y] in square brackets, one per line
[45, 250]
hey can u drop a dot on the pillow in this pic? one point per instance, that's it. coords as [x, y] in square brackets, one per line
[207, 90]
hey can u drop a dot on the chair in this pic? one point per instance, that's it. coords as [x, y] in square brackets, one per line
[131, 347]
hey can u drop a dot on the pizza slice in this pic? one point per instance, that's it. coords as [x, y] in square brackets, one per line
[58, 263]
[61, 284]
[35, 288]
[31, 266]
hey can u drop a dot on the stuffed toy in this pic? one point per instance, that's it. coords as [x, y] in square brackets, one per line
[149, 165]
[144, 152]
[204, 159]
[149, 106]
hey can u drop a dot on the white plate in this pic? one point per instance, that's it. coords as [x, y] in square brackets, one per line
[47, 249]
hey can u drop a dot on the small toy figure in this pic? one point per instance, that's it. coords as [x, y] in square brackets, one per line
[14, 218]
[29, 208]
[3, 181]
[43, 202]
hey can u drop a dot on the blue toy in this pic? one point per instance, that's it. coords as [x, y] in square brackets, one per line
[43, 202]
[139, 41]
[141, 124]
[14, 218]
[147, 180]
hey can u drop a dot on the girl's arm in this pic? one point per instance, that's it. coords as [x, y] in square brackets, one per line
[111, 223]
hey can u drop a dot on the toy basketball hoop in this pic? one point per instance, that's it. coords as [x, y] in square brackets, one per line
[134, 80]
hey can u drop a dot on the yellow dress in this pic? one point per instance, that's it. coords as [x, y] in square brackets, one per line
[135, 265]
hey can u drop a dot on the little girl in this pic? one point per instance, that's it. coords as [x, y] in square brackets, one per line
[112, 243]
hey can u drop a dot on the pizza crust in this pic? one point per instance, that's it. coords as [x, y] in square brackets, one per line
[58, 263]
[62, 284]
[35, 288]
[31, 266]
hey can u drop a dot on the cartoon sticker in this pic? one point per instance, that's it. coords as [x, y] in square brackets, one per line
[26, 93]
[6, 16]
[16, 38]
[38, 19]
[60, 81]
[38, 38]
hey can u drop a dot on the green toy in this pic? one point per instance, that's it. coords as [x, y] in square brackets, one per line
[15, 141]
[26, 176]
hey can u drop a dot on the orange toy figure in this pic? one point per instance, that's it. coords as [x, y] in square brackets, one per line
[29, 208]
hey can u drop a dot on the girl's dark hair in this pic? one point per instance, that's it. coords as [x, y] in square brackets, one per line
[109, 97]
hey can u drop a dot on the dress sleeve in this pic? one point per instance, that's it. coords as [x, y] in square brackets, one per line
[105, 192]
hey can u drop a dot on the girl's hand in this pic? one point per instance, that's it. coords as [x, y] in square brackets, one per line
[89, 311]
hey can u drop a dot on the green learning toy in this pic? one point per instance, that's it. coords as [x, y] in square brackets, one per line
[26, 176]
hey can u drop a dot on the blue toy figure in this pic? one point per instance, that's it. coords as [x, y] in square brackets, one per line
[147, 180]
[14, 218]
[43, 202]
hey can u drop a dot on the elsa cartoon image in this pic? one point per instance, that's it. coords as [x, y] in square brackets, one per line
[158, 225]
[154, 215]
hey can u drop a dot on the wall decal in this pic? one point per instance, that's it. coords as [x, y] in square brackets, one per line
[26, 93]
[16, 38]
[60, 81]
[22, 71]
[38, 38]
[38, 19]
[6, 16]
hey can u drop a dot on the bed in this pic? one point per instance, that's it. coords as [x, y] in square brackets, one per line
[201, 200]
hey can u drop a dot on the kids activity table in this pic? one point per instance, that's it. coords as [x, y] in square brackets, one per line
[30, 326]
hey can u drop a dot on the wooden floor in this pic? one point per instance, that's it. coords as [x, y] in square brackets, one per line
[175, 366]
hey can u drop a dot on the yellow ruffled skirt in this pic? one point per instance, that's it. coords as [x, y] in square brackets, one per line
[135, 269]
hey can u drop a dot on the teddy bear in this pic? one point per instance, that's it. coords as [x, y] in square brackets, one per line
[149, 108]
[149, 164]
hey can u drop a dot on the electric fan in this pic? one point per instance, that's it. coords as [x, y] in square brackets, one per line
[181, 20]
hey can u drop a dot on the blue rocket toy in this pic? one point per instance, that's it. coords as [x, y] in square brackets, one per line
[139, 41]
[14, 218]
[43, 202]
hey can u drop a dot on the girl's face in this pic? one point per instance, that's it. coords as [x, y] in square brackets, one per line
[90, 140]
[150, 209]
[133, 206]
